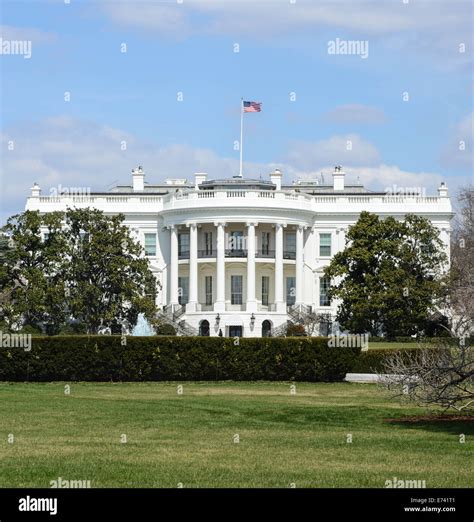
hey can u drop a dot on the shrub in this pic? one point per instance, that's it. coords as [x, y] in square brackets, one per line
[295, 330]
[165, 329]
[372, 361]
[104, 358]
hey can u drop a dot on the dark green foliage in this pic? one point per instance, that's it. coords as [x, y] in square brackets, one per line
[103, 358]
[165, 329]
[389, 276]
[87, 268]
[372, 361]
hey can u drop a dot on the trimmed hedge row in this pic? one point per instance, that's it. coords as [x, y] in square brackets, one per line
[372, 361]
[103, 358]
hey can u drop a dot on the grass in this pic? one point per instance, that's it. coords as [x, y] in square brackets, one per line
[391, 346]
[188, 438]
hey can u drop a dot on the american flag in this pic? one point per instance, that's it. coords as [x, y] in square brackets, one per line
[250, 106]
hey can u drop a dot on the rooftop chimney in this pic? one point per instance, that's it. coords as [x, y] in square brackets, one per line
[443, 190]
[338, 178]
[275, 178]
[138, 177]
[35, 190]
[199, 177]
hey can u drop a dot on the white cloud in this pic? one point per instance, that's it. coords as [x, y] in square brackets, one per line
[355, 114]
[78, 153]
[157, 18]
[350, 149]
[433, 28]
[9, 32]
[458, 152]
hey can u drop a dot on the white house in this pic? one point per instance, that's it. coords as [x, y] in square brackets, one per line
[242, 256]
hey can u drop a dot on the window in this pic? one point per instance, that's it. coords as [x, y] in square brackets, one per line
[265, 290]
[204, 328]
[265, 243]
[150, 244]
[290, 291]
[183, 245]
[290, 246]
[208, 287]
[325, 245]
[324, 285]
[325, 325]
[236, 240]
[183, 290]
[290, 242]
[236, 290]
[266, 328]
[208, 243]
[235, 331]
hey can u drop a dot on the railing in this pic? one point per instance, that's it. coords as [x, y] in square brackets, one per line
[206, 194]
[265, 253]
[296, 312]
[207, 253]
[270, 307]
[236, 252]
[184, 254]
[235, 307]
[236, 193]
[289, 254]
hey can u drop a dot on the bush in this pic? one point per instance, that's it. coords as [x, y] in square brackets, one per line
[295, 330]
[165, 329]
[372, 361]
[103, 358]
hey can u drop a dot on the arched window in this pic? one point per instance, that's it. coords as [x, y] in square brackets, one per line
[266, 328]
[204, 328]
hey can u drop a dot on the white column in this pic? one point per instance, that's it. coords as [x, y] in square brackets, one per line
[251, 302]
[219, 305]
[173, 269]
[193, 269]
[299, 265]
[279, 301]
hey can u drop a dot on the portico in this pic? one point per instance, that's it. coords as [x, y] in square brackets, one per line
[244, 266]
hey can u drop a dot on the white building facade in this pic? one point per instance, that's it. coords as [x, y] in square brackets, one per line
[241, 257]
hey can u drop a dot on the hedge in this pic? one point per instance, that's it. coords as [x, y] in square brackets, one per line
[103, 358]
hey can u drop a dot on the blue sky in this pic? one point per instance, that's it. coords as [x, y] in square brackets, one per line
[188, 48]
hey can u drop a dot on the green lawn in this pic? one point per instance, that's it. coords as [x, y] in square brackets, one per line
[392, 346]
[188, 438]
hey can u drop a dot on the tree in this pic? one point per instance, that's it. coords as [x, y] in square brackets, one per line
[460, 295]
[389, 276]
[88, 269]
[310, 323]
[443, 375]
[435, 376]
[109, 281]
[31, 279]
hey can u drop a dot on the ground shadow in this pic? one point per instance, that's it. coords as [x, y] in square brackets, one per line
[448, 423]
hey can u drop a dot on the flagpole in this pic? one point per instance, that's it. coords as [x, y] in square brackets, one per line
[241, 133]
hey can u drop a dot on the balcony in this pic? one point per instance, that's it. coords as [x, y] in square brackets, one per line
[207, 253]
[184, 254]
[289, 254]
[265, 253]
[236, 252]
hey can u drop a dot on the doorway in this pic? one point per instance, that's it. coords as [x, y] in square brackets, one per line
[235, 331]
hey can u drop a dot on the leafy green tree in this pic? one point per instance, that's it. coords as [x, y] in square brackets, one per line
[389, 278]
[31, 280]
[87, 269]
[109, 281]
